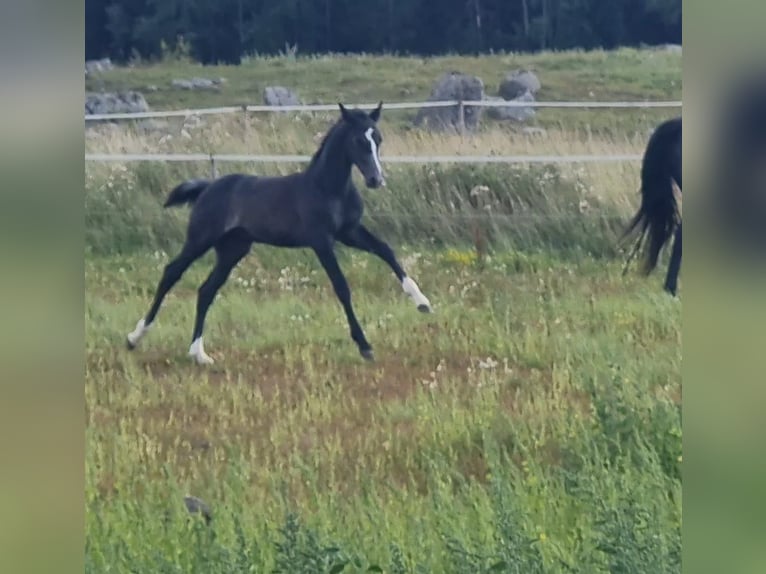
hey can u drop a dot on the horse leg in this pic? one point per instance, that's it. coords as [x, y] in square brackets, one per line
[340, 285]
[674, 267]
[170, 276]
[229, 251]
[363, 239]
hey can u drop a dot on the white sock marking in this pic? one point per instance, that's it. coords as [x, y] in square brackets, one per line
[412, 289]
[374, 150]
[137, 334]
[197, 352]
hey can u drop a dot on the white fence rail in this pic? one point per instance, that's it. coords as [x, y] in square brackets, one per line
[390, 106]
[215, 159]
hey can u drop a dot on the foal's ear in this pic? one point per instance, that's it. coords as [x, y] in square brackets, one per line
[344, 112]
[375, 114]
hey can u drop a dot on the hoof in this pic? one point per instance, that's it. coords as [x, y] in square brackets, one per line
[129, 344]
[367, 354]
[423, 308]
[203, 360]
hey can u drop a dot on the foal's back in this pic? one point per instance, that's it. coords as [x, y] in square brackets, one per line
[270, 209]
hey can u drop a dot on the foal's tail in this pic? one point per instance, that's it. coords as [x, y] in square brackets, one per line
[187, 192]
[660, 209]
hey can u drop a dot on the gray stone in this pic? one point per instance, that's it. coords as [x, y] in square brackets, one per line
[195, 505]
[280, 96]
[519, 114]
[452, 86]
[198, 84]
[115, 103]
[154, 125]
[97, 66]
[518, 82]
[182, 84]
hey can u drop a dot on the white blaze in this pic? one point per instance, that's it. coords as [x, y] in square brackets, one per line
[374, 149]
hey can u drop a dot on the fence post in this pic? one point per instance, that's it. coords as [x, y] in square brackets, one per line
[213, 169]
[461, 117]
[246, 124]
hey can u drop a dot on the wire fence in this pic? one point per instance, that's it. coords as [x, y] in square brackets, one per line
[402, 159]
[460, 104]
[215, 159]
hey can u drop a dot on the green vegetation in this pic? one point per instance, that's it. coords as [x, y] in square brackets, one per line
[531, 424]
[625, 74]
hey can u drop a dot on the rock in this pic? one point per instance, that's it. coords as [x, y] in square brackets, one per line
[495, 113]
[518, 82]
[153, 125]
[97, 66]
[203, 84]
[452, 86]
[193, 121]
[198, 84]
[280, 96]
[182, 84]
[196, 506]
[115, 103]
[672, 48]
[519, 114]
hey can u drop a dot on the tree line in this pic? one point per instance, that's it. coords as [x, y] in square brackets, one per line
[223, 31]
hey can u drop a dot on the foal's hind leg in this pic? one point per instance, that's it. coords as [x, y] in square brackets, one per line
[674, 267]
[170, 276]
[229, 251]
[361, 238]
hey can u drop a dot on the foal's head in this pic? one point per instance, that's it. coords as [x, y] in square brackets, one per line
[363, 143]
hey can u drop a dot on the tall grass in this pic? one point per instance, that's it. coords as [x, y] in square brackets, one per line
[533, 206]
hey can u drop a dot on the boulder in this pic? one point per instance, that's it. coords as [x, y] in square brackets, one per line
[198, 84]
[518, 82]
[519, 114]
[452, 86]
[280, 96]
[97, 66]
[115, 103]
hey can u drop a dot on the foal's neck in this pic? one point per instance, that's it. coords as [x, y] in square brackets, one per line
[332, 168]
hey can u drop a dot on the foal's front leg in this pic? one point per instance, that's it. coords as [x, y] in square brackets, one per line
[330, 263]
[362, 238]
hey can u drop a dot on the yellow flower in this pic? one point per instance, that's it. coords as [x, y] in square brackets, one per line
[543, 537]
[460, 257]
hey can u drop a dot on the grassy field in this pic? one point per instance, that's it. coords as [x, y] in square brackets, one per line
[625, 74]
[531, 424]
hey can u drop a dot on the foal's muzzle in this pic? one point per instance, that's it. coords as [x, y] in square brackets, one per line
[375, 182]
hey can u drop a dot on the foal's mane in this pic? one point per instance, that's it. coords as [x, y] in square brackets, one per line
[336, 128]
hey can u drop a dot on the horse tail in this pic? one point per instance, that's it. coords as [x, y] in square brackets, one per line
[187, 192]
[659, 212]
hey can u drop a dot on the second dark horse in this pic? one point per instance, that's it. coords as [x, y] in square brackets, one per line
[659, 215]
[312, 208]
